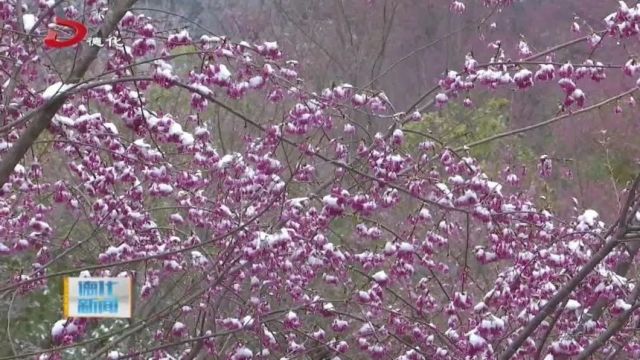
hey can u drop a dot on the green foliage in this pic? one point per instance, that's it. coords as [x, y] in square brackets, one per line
[33, 316]
[184, 56]
[32, 319]
[622, 171]
[603, 167]
[456, 126]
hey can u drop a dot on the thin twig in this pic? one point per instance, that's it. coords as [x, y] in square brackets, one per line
[549, 121]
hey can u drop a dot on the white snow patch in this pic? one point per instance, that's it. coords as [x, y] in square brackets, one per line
[481, 306]
[28, 20]
[225, 161]
[298, 203]
[444, 188]
[477, 341]
[330, 201]
[256, 81]
[198, 258]
[495, 187]
[141, 143]
[63, 120]
[621, 304]
[113, 355]
[271, 45]
[406, 247]
[202, 89]
[572, 305]
[187, 139]
[178, 326]
[209, 39]
[380, 276]
[273, 239]
[56, 89]
[589, 217]
[165, 188]
[58, 328]
[111, 127]
[224, 73]
[242, 353]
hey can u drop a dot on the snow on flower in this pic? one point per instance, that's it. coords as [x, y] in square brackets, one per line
[114, 355]
[299, 209]
[587, 220]
[181, 38]
[441, 99]
[58, 328]
[226, 161]
[29, 21]
[242, 353]
[178, 328]
[476, 342]
[523, 78]
[381, 277]
[572, 304]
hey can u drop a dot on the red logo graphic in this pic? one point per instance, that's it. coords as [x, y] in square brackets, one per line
[79, 32]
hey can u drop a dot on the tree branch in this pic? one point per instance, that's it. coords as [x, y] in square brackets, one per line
[549, 121]
[613, 329]
[575, 281]
[44, 116]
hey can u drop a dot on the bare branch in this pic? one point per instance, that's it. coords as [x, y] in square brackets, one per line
[614, 328]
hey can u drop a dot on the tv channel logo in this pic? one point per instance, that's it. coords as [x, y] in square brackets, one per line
[54, 40]
[98, 297]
